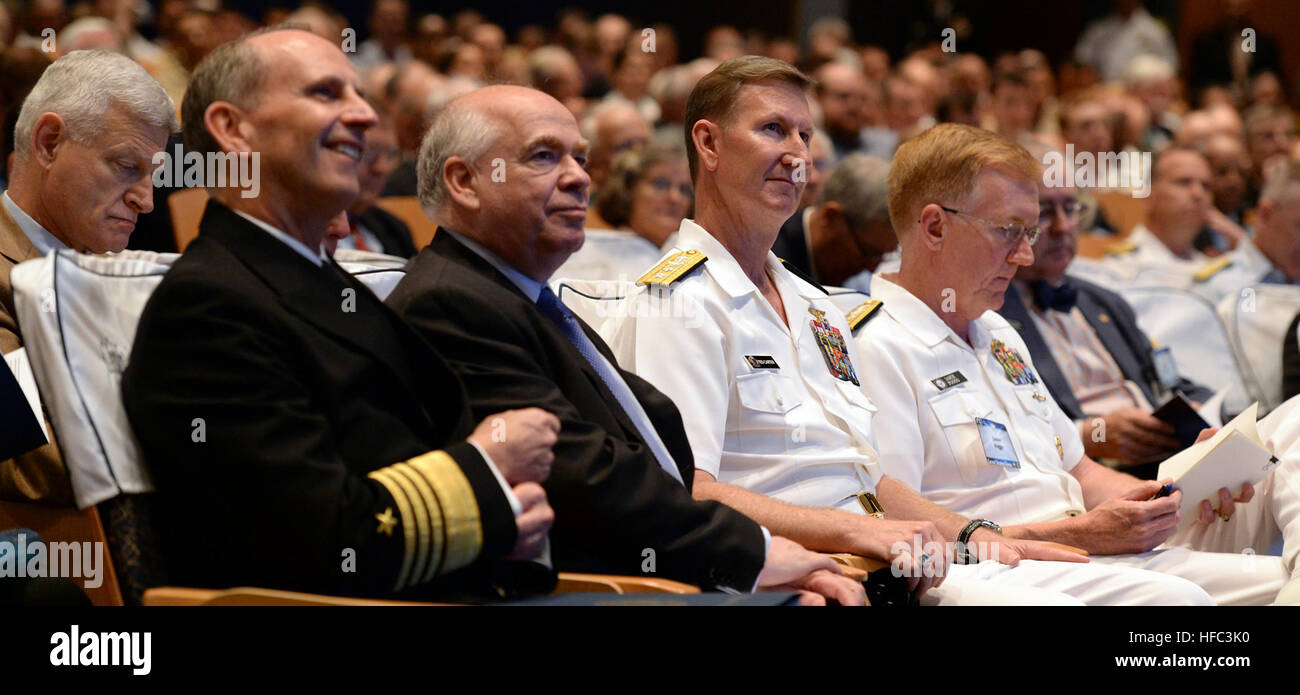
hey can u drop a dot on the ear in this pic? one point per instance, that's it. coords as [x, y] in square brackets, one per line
[705, 135]
[228, 126]
[48, 133]
[459, 178]
[931, 227]
[833, 217]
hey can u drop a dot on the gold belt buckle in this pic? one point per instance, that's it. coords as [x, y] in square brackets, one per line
[871, 505]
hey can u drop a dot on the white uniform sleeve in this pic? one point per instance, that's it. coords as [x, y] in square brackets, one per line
[682, 353]
[898, 423]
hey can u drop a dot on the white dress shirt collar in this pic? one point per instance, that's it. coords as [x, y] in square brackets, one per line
[40, 237]
[530, 287]
[316, 258]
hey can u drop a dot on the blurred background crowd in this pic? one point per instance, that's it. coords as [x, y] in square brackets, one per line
[1100, 76]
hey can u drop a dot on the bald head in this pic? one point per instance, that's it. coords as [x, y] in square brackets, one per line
[504, 165]
[613, 129]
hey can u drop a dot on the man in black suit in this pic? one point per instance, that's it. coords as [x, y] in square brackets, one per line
[1088, 348]
[501, 171]
[300, 435]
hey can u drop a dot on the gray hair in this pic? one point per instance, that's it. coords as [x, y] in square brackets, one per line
[458, 131]
[860, 184]
[82, 86]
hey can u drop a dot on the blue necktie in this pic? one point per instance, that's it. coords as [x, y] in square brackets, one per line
[559, 314]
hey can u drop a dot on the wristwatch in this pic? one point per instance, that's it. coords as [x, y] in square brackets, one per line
[963, 539]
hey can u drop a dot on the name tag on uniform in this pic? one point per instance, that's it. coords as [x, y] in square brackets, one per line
[948, 381]
[997, 443]
[761, 362]
[1166, 368]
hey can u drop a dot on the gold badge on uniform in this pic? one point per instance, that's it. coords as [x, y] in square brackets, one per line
[833, 347]
[1059, 451]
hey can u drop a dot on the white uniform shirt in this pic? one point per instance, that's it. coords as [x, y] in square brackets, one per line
[1249, 267]
[1112, 42]
[1152, 263]
[608, 254]
[928, 436]
[762, 408]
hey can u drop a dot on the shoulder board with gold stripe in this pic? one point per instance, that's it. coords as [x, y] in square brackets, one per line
[673, 268]
[1120, 248]
[1212, 268]
[862, 313]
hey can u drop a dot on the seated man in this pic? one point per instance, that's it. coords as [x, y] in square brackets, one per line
[1095, 361]
[758, 361]
[300, 435]
[372, 228]
[954, 382]
[847, 231]
[1273, 255]
[1162, 251]
[623, 467]
[83, 153]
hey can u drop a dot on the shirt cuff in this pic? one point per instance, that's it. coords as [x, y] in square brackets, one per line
[515, 505]
[767, 545]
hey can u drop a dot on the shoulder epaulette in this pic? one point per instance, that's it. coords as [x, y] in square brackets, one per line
[1212, 268]
[1119, 248]
[673, 268]
[862, 313]
[794, 269]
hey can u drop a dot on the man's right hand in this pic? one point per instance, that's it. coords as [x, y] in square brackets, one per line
[533, 523]
[791, 567]
[519, 442]
[1129, 523]
[904, 544]
[1131, 434]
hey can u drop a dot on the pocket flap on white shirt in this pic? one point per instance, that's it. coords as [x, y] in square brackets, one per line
[766, 391]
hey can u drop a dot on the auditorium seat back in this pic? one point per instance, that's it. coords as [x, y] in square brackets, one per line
[1192, 329]
[1258, 320]
[378, 271]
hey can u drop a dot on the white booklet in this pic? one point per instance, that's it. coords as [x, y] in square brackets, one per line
[1234, 456]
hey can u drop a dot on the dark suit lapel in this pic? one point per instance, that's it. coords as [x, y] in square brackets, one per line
[314, 294]
[447, 246]
[1015, 312]
[1113, 340]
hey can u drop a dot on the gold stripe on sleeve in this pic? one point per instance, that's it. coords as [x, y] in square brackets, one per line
[430, 551]
[409, 531]
[460, 512]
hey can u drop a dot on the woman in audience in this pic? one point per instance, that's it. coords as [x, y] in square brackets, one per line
[648, 193]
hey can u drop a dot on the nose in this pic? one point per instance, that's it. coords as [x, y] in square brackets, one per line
[574, 177]
[358, 112]
[1022, 253]
[139, 196]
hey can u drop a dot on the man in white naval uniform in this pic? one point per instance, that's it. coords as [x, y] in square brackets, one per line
[1273, 255]
[1161, 252]
[954, 381]
[758, 361]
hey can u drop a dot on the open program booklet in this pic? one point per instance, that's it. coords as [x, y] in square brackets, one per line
[1231, 458]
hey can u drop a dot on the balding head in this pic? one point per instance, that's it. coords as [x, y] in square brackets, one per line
[503, 165]
[612, 128]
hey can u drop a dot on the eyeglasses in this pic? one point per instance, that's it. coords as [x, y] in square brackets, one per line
[1011, 232]
[1070, 208]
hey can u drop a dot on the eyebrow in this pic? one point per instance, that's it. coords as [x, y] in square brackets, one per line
[554, 143]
